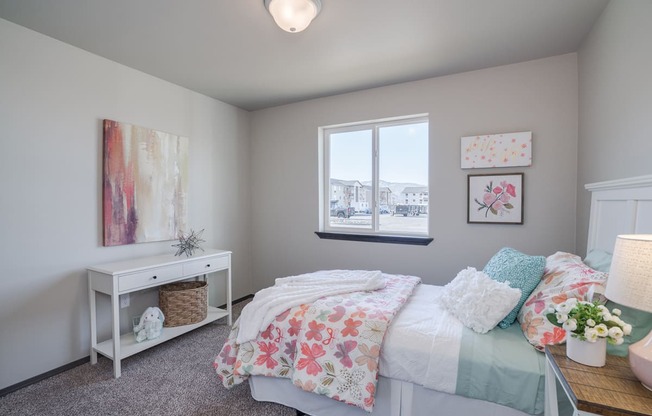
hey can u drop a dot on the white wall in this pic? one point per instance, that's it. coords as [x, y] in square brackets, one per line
[53, 98]
[615, 96]
[538, 96]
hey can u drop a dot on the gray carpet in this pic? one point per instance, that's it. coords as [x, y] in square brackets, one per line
[173, 378]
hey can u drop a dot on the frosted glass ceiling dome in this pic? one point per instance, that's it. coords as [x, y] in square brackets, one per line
[293, 15]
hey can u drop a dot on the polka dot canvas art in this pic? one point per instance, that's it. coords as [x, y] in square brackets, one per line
[497, 150]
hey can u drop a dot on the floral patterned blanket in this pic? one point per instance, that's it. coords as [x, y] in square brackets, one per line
[330, 347]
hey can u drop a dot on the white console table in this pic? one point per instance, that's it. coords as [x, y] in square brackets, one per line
[115, 279]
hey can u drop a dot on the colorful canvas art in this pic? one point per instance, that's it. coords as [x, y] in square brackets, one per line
[497, 150]
[144, 184]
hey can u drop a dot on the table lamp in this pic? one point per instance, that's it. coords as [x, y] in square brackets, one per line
[630, 284]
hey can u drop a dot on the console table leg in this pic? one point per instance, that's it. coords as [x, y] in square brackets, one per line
[229, 299]
[115, 332]
[91, 300]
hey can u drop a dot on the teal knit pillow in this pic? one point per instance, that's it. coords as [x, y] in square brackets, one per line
[520, 270]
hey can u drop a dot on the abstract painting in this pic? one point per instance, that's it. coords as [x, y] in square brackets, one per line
[497, 150]
[145, 181]
[496, 199]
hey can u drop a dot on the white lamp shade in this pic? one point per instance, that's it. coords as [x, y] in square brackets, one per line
[293, 15]
[630, 276]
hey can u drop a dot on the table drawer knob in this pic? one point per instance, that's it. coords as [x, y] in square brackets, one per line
[153, 277]
[208, 265]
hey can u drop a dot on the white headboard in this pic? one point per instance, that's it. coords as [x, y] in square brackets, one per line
[623, 206]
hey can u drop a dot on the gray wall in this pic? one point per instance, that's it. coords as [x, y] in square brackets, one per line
[615, 101]
[52, 102]
[538, 96]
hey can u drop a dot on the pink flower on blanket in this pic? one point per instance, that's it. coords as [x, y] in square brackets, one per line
[310, 361]
[226, 356]
[302, 310]
[582, 269]
[582, 286]
[267, 349]
[351, 327]
[295, 326]
[237, 368]
[314, 331]
[377, 314]
[369, 356]
[343, 350]
[268, 333]
[360, 312]
[290, 349]
[371, 389]
[309, 385]
[281, 317]
[339, 313]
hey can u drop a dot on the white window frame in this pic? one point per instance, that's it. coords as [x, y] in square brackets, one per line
[324, 175]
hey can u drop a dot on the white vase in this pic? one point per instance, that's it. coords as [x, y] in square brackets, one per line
[593, 354]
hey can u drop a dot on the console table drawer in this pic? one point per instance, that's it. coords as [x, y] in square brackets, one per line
[149, 277]
[206, 265]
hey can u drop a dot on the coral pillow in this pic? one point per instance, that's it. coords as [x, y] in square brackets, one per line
[566, 276]
[478, 301]
[520, 271]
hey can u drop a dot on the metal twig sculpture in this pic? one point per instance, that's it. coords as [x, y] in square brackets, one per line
[189, 243]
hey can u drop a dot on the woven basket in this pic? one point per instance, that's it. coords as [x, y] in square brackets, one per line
[183, 303]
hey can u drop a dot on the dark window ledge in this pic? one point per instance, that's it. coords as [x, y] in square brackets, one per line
[389, 239]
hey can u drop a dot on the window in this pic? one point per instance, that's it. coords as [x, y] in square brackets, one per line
[375, 178]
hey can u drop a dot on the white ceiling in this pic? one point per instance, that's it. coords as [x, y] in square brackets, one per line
[233, 51]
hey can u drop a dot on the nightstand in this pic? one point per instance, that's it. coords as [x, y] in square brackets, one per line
[612, 390]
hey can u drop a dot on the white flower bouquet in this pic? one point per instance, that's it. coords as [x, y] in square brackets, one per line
[589, 321]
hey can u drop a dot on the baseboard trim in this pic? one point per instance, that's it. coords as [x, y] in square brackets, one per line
[238, 300]
[43, 376]
[70, 366]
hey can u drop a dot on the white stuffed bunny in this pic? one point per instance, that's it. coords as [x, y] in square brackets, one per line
[150, 325]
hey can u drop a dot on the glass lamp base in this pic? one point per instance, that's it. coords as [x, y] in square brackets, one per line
[640, 360]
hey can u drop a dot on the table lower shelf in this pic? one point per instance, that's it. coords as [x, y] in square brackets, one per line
[129, 346]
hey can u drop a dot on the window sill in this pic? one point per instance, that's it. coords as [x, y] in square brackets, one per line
[388, 239]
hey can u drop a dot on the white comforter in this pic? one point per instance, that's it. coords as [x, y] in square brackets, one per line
[422, 345]
[288, 292]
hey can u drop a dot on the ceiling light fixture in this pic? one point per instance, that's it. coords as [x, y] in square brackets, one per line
[293, 15]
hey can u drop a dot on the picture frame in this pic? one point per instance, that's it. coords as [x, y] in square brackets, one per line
[495, 198]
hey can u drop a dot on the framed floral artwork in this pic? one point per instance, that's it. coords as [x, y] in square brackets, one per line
[495, 199]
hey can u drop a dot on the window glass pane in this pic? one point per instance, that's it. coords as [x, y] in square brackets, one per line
[403, 173]
[350, 179]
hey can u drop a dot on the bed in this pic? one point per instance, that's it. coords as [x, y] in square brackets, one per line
[416, 350]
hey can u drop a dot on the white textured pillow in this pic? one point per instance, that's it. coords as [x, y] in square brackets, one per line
[478, 301]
